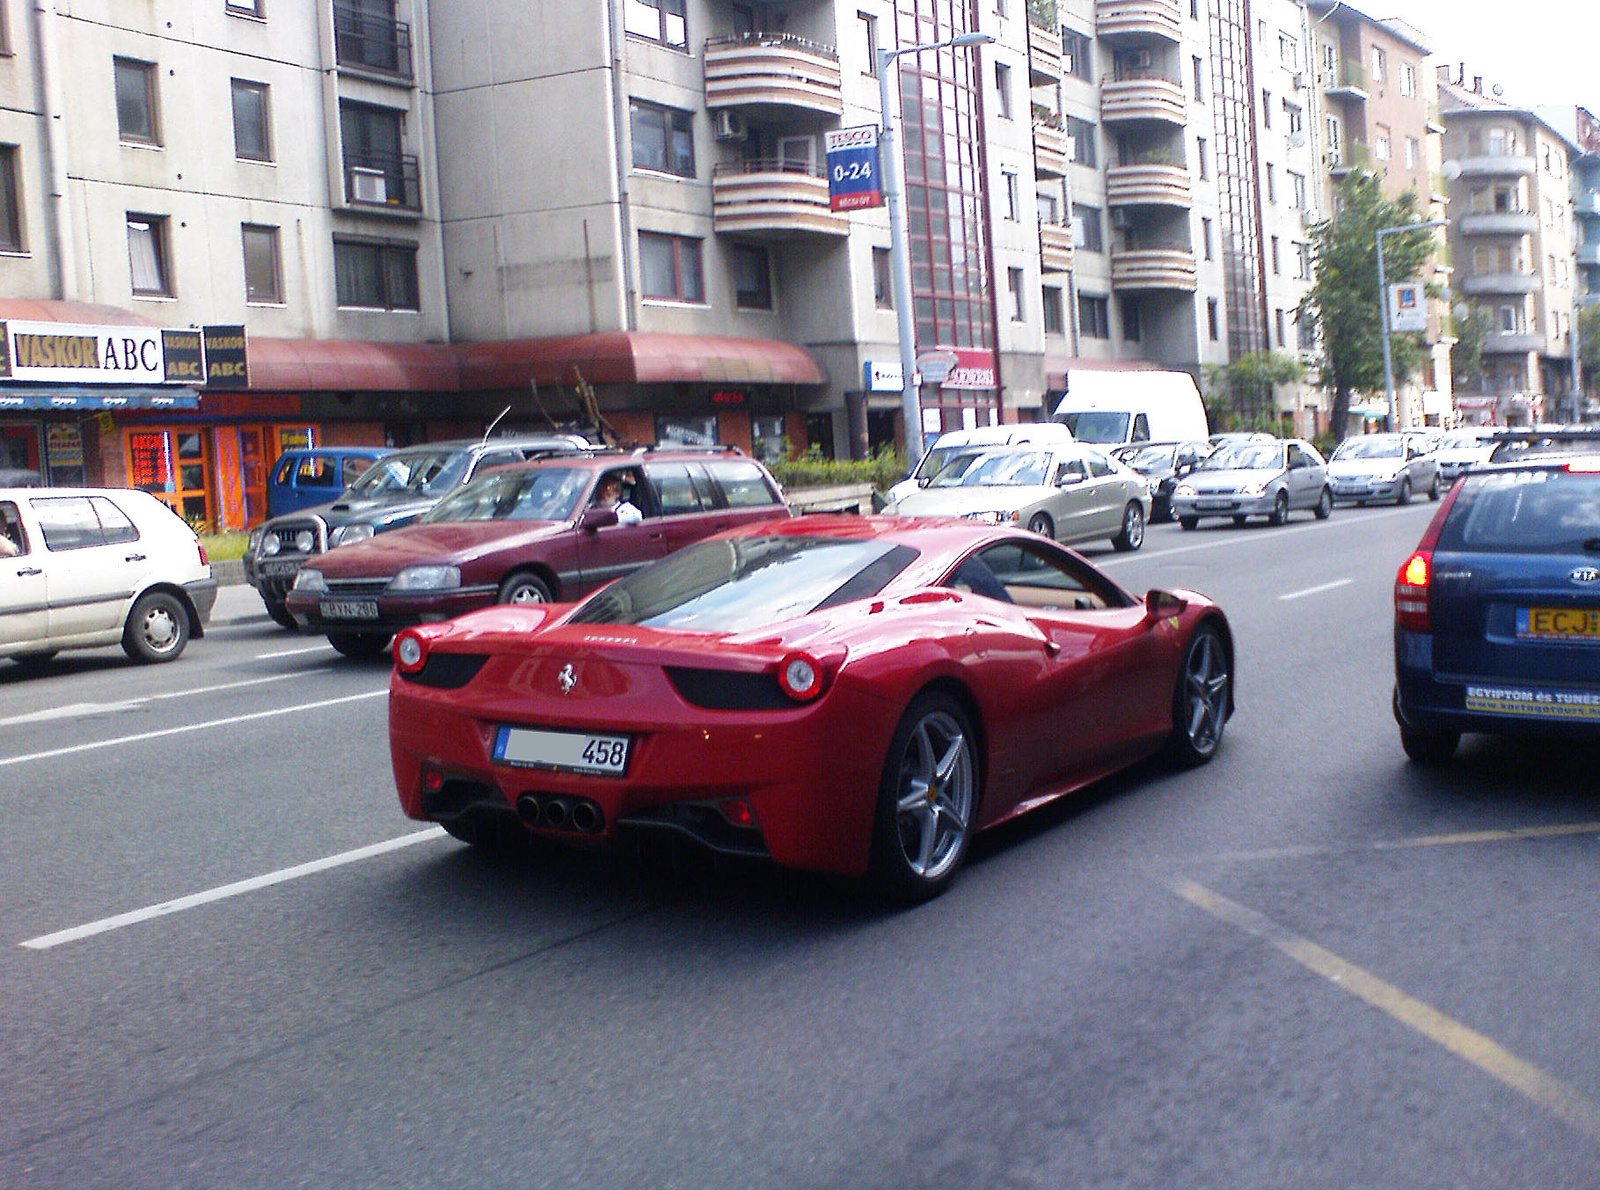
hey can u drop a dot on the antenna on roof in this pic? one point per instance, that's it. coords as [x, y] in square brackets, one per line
[494, 423]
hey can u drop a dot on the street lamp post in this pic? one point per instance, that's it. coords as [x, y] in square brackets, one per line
[1383, 305]
[899, 235]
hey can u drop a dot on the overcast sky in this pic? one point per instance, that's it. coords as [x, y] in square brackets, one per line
[1540, 51]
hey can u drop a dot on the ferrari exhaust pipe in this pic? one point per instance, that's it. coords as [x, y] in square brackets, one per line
[558, 814]
[528, 810]
[586, 817]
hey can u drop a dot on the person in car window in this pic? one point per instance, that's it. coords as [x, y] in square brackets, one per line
[609, 495]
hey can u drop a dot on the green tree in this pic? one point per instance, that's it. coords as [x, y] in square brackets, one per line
[1588, 344]
[1466, 357]
[1244, 387]
[1043, 14]
[1343, 302]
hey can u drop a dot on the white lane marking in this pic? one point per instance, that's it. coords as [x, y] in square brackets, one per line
[292, 652]
[156, 735]
[1242, 538]
[1318, 590]
[77, 709]
[106, 924]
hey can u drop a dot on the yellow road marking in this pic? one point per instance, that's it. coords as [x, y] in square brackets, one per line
[1459, 839]
[1556, 1097]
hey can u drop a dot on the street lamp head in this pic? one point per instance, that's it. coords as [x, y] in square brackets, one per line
[966, 39]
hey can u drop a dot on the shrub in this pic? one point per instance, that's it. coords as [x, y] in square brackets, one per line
[812, 470]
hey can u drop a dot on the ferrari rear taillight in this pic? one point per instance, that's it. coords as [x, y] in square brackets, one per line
[1411, 592]
[800, 677]
[738, 812]
[410, 652]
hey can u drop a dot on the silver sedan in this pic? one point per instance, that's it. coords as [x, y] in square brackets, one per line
[1268, 479]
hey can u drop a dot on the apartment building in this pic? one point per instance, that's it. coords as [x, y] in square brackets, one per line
[1514, 239]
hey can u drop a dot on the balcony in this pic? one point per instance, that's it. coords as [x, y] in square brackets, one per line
[1153, 268]
[1498, 223]
[1498, 165]
[1510, 282]
[1506, 342]
[1133, 21]
[369, 43]
[772, 72]
[1356, 155]
[1052, 145]
[1156, 184]
[772, 198]
[1586, 202]
[1055, 248]
[1154, 99]
[383, 181]
[1435, 121]
[1588, 254]
[1045, 64]
[1347, 80]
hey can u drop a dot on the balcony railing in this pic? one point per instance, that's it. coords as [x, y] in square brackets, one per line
[1350, 156]
[1044, 54]
[1348, 79]
[1497, 223]
[769, 196]
[1055, 247]
[1149, 184]
[1153, 268]
[1155, 99]
[1512, 281]
[388, 180]
[776, 70]
[1139, 19]
[1052, 145]
[371, 43]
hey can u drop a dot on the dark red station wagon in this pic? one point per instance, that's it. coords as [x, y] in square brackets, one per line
[530, 533]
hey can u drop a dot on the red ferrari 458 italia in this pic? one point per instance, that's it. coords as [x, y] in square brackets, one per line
[840, 694]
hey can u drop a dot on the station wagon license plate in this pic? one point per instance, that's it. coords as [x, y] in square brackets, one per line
[349, 609]
[1558, 623]
[570, 750]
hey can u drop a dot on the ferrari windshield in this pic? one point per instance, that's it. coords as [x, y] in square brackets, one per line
[545, 494]
[1011, 468]
[1265, 456]
[736, 584]
[1374, 446]
[413, 472]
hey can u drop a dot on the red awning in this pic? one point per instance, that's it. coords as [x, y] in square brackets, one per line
[633, 357]
[83, 313]
[332, 365]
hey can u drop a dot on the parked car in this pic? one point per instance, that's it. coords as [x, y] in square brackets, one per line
[85, 567]
[529, 534]
[810, 692]
[1116, 406]
[1511, 445]
[1463, 449]
[393, 492]
[1371, 468]
[307, 476]
[1497, 611]
[955, 443]
[1239, 438]
[1162, 464]
[1269, 479]
[1069, 492]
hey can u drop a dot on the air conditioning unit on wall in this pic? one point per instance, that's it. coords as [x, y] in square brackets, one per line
[729, 125]
[368, 185]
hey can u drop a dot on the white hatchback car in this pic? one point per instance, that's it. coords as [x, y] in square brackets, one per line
[84, 567]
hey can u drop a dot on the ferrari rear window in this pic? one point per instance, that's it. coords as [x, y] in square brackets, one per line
[735, 584]
[1533, 511]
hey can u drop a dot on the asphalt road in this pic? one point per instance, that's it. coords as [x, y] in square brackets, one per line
[227, 961]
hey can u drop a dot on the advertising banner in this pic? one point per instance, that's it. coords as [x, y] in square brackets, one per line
[1407, 309]
[226, 362]
[853, 181]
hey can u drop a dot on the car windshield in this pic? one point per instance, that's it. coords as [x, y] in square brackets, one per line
[1534, 511]
[1023, 468]
[1374, 447]
[545, 494]
[1464, 439]
[957, 467]
[1259, 457]
[936, 460]
[1145, 458]
[411, 472]
[740, 583]
[1098, 426]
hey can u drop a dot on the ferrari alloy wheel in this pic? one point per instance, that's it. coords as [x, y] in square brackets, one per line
[1280, 509]
[360, 645]
[524, 587]
[1132, 535]
[926, 800]
[1202, 700]
[157, 628]
[1041, 524]
[1324, 505]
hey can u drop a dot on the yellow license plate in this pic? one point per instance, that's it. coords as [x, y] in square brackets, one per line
[1558, 623]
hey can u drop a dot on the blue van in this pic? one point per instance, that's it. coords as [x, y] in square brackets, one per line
[306, 476]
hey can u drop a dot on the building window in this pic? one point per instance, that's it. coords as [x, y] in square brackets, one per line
[244, 8]
[1082, 134]
[882, 279]
[1274, 247]
[1205, 237]
[136, 101]
[1380, 142]
[669, 268]
[1199, 80]
[376, 171]
[1272, 182]
[1132, 320]
[1266, 109]
[1302, 263]
[1297, 190]
[752, 277]
[376, 274]
[10, 201]
[1295, 117]
[1288, 52]
[1408, 79]
[1013, 196]
[147, 255]
[263, 282]
[1087, 232]
[657, 20]
[1413, 152]
[1335, 140]
[1202, 158]
[1053, 310]
[1277, 325]
[252, 140]
[1380, 64]
[1094, 317]
[1014, 284]
[663, 138]
[1076, 49]
[869, 38]
[1002, 87]
[1213, 330]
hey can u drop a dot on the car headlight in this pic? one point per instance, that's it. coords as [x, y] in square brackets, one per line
[426, 578]
[1184, 489]
[305, 541]
[270, 544]
[310, 580]
[345, 534]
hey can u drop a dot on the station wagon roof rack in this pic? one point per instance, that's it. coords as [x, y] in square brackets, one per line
[717, 449]
[1518, 444]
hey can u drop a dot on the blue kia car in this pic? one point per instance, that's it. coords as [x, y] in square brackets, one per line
[1497, 611]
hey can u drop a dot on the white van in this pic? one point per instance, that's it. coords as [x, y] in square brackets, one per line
[1112, 407]
[954, 442]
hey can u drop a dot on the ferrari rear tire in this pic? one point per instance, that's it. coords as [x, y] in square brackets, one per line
[1201, 701]
[1132, 535]
[1280, 509]
[360, 645]
[927, 800]
[1041, 524]
[1324, 508]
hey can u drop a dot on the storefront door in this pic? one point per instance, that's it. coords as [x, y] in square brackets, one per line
[171, 463]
